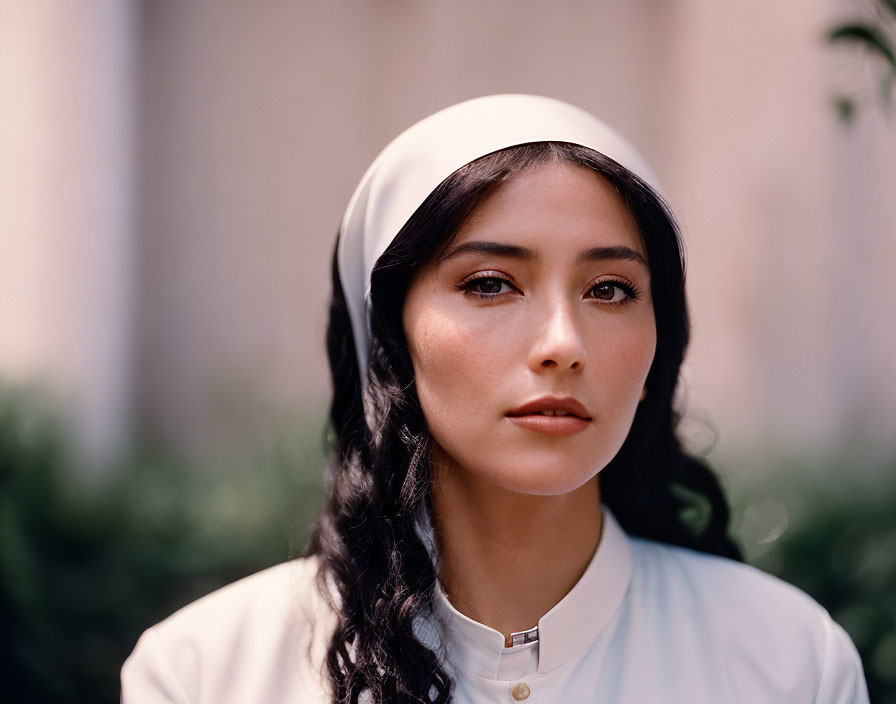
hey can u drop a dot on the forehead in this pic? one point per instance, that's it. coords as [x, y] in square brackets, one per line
[556, 206]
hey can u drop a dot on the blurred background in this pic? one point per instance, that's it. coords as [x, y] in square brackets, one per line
[172, 176]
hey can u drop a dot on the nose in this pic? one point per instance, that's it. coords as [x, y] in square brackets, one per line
[558, 342]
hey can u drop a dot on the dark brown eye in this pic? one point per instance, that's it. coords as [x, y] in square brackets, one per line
[605, 291]
[489, 285]
[612, 292]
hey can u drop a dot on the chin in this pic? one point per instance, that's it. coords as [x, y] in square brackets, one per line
[531, 468]
[541, 478]
[536, 488]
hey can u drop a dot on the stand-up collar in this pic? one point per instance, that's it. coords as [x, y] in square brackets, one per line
[563, 632]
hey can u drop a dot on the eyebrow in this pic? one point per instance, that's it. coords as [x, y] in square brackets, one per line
[615, 252]
[619, 252]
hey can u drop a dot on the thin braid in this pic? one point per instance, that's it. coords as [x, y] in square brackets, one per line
[367, 539]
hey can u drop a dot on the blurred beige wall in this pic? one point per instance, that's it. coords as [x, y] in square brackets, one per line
[68, 89]
[254, 121]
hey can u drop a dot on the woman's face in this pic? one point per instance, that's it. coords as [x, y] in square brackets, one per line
[532, 334]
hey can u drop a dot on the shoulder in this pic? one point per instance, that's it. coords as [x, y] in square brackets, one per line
[729, 598]
[275, 595]
[757, 622]
[265, 632]
[711, 581]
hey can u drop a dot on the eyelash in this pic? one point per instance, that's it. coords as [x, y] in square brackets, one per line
[468, 286]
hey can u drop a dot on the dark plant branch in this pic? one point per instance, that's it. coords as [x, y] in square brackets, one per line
[872, 38]
[877, 40]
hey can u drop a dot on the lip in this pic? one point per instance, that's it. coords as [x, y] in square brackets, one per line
[551, 403]
[526, 416]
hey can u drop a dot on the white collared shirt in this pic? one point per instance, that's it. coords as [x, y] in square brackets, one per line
[647, 622]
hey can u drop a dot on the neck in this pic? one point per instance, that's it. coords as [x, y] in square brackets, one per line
[507, 558]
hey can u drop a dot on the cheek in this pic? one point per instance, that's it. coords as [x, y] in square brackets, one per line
[627, 361]
[450, 360]
[640, 353]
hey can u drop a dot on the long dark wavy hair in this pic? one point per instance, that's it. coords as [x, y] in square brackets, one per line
[379, 479]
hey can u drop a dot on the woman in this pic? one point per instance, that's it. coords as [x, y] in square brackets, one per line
[511, 516]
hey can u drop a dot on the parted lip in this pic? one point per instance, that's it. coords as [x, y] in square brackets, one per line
[552, 403]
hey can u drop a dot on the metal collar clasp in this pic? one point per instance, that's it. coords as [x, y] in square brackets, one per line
[523, 637]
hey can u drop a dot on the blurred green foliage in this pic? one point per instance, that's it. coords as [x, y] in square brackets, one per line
[86, 566]
[831, 531]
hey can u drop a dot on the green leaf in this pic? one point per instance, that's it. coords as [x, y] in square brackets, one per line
[873, 39]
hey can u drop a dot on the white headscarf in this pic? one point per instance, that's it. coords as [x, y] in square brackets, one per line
[424, 155]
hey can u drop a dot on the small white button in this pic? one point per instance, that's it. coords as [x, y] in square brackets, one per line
[520, 691]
